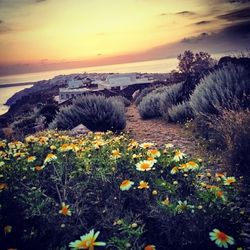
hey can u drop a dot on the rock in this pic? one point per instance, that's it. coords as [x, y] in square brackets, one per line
[79, 129]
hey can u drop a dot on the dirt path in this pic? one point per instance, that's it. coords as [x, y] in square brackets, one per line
[158, 131]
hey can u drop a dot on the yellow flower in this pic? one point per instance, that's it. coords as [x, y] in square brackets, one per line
[229, 180]
[221, 239]
[126, 185]
[3, 186]
[7, 229]
[174, 170]
[31, 138]
[169, 145]
[154, 192]
[50, 157]
[115, 154]
[153, 153]
[144, 165]
[178, 155]
[134, 156]
[146, 145]
[31, 158]
[87, 241]
[38, 168]
[65, 210]
[191, 165]
[150, 247]
[166, 202]
[219, 176]
[143, 185]
[53, 147]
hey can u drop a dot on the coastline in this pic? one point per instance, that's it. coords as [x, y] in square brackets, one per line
[9, 85]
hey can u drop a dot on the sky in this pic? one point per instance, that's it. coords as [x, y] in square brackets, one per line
[37, 35]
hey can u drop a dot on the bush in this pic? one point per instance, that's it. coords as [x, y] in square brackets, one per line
[55, 188]
[97, 113]
[142, 94]
[180, 113]
[228, 88]
[234, 127]
[122, 99]
[155, 104]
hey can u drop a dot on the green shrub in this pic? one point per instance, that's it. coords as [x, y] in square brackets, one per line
[142, 94]
[228, 87]
[97, 113]
[181, 112]
[149, 107]
[100, 178]
[122, 99]
[157, 102]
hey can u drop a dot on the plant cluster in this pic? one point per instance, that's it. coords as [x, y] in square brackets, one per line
[59, 191]
[95, 112]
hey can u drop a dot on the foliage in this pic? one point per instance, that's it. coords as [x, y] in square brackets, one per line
[234, 128]
[48, 111]
[157, 102]
[226, 88]
[122, 99]
[60, 187]
[193, 63]
[142, 94]
[181, 112]
[97, 113]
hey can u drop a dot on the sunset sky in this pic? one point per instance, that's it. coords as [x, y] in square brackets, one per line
[39, 35]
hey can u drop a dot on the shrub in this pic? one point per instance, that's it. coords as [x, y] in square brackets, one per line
[156, 103]
[142, 94]
[60, 187]
[234, 127]
[181, 112]
[122, 99]
[49, 112]
[97, 113]
[228, 88]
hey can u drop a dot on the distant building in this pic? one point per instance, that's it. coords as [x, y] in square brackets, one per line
[121, 81]
[68, 93]
[73, 84]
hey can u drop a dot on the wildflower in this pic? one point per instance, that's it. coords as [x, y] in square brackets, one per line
[31, 158]
[143, 185]
[3, 186]
[220, 238]
[7, 229]
[220, 194]
[134, 225]
[229, 180]
[134, 156]
[154, 153]
[154, 192]
[182, 206]
[65, 210]
[31, 138]
[219, 176]
[52, 147]
[175, 182]
[144, 165]
[1, 163]
[169, 145]
[178, 155]
[150, 247]
[126, 185]
[165, 202]
[191, 165]
[146, 145]
[209, 175]
[38, 168]
[115, 154]
[174, 170]
[50, 157]
[87, 241]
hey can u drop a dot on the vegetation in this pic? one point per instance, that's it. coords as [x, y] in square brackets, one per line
[59, 191]
[194, 63]
[180, 113]
[97, 113]
[225, 88]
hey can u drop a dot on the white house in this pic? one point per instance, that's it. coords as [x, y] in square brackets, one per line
[121, 81]
[73, 84]
[67, 93]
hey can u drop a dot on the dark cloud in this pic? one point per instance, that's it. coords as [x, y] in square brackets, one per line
[186, 13]
[239, 32]
[1, 21]
[242, 14]
[203, 22]
[3, 27]
[239, 1]
[17, 3]
[163, 14]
